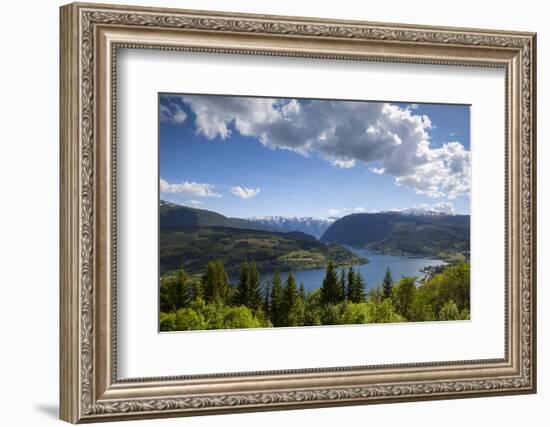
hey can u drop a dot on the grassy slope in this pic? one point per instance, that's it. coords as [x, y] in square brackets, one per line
[192, 247]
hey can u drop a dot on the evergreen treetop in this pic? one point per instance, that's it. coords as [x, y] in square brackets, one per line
[387, 283]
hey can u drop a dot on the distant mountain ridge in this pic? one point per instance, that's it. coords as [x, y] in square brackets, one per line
[420, 212]
[309, 225]
[190, 237]
[445, 236]
[413, 231]
[173, 215]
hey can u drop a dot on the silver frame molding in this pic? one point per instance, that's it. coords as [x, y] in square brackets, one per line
[90, 37]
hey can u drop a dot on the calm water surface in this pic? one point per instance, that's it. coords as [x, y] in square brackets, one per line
[372, 272]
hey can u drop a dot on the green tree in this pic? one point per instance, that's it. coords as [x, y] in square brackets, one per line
[421, 309]
[212, 313]
[331, 314]
[267, 302]
[331, 289]
[167, 322]
[292, 303]
[343, 284]
[355, 313]
[465, 314]
[249, 289]
[176, 291]
[383, 312]
[303, 293]
[350, 280]
[255, 287]
[387, 283]
[402, 295]
[276, 306]
[449, 311]
[239, 317]
[313, 308]
[453, 283]
[356, 286]
[242, 291]
[376, 294]
[215, 282]
[188, 319]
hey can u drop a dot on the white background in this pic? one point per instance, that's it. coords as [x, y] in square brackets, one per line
[29, 171]
[141, 347]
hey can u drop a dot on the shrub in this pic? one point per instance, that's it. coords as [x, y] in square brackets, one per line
[355, 313]
[449, 311]
[239, 317]
[402, 295]
[331, 315]
[167, 322]
[383, 312]
[188, 319]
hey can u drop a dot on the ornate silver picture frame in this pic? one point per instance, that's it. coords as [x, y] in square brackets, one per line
[91, 36]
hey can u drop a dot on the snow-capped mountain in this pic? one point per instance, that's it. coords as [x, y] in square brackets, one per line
[422, 212]
[164, 203]
[309, 225]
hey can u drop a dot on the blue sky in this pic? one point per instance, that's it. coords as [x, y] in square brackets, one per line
[244, 157]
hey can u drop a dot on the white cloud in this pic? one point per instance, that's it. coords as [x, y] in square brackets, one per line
[393, 141]
[360, 209]
[445, 207]
[194, 188]
[171, 111]
[378, 171]
[344, 164]
[446, 172]
[245, 193]
[195, 202]
[334, 212]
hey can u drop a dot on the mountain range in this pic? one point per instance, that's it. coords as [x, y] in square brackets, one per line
[173, 215]
[190, 237]
[309, 225]
[441, 235]
[419, 212]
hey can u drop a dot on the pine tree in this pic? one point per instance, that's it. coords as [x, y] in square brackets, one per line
[242, 292]
[215, 282]
[290, 302]
[249, 292]
[342, 283]
[303, 294]
[402, 295]
[387, 283]
[267, 302]
[331, 290]
[351, 283]
[254, 287]
[176, 291]
[276, 300]
[356, 292]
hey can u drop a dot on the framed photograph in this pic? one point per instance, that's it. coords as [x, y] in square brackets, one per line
[266, 212]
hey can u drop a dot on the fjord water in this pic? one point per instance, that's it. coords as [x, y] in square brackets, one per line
[372, 272]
